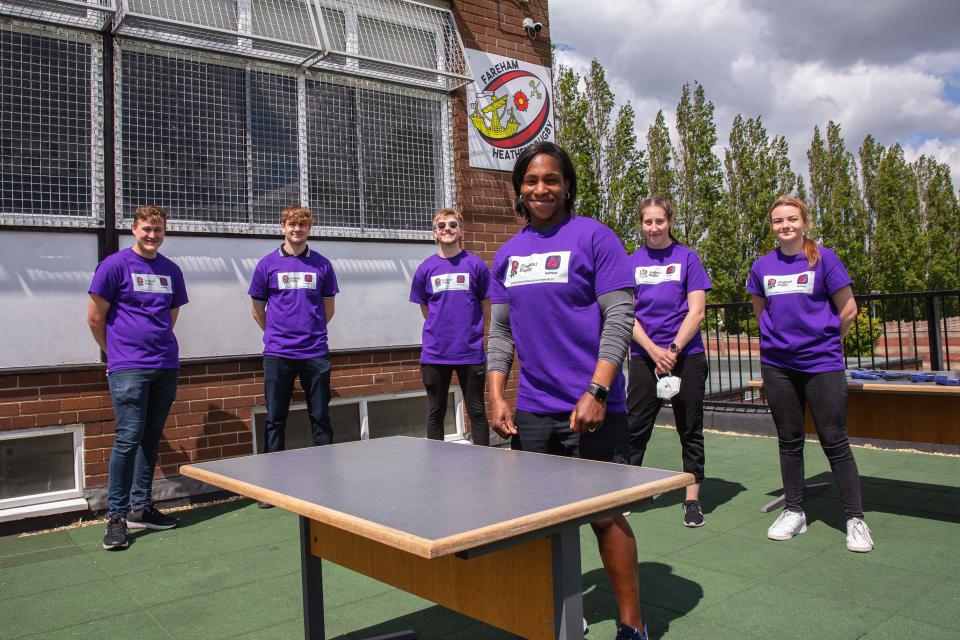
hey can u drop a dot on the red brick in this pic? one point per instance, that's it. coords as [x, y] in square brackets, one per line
[82, 377]
[85, 402]
[92, 415]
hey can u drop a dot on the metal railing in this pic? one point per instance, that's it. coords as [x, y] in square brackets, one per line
[918, 330]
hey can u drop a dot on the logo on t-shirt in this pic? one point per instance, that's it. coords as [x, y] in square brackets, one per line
[655, 274]
[150, 283]
[296, 280]
[791, 283]
[538, 268]
[451, 282]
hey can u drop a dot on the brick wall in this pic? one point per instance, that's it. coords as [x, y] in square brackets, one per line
[212, 417]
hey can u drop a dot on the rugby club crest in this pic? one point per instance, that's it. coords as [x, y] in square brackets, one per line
[509, 106]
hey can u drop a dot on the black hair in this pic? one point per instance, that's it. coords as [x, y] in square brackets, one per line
[566, 167]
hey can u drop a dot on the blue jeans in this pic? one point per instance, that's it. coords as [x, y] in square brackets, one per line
[141, 402]
[279, 375]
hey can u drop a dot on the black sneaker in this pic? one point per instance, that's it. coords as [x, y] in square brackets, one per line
[626, 632]
[116, 536]
[150, 518]
[692, 513]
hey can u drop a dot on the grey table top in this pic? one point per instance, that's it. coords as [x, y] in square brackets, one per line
[433, 490]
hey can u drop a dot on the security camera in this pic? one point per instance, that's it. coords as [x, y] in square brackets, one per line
[532, 28]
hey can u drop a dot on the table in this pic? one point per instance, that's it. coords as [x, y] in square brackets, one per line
[490, 533]
[922, 412]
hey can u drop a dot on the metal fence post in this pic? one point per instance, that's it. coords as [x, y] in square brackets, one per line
[933, 333]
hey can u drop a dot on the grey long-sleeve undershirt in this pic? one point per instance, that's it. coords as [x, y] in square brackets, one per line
[616, 308]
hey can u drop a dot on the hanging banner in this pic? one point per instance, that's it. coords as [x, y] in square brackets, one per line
[509, 106]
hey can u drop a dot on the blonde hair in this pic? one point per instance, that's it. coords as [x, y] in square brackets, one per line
[298, 215]
[810, 250]
[446, 213]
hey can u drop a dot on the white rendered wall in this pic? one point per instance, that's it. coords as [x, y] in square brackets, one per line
[43, 299]
[372, 308]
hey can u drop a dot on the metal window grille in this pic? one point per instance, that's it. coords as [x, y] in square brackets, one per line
[397, 40]
[87, 14]
[225, 145]
[51, 162]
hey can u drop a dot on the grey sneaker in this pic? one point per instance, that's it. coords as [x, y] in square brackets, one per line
[116, 535]
[858, 536]
[150, 518]
[787, 525]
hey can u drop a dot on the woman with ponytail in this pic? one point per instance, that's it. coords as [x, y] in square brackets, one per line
[805, 306]
[670, 288]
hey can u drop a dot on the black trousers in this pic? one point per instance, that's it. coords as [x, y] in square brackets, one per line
[472, 378]
[643, 405]
[787, 392]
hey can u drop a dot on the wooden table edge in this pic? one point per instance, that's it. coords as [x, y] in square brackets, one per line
[429, 549]
[856, 385]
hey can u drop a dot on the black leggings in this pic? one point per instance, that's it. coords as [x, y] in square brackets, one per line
[787, 392]
[472, 377]
[643, 405]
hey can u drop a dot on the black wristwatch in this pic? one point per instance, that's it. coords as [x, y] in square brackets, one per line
[598, 391]
[674, 347]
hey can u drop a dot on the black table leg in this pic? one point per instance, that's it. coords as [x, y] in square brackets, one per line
[567, 584]
[312, 575]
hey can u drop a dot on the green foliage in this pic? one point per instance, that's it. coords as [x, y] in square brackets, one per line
[862, 338]
[899, 252]
[699, 176]
[940, 219]
[660, 175]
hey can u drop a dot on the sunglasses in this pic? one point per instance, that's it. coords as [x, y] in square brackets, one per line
[443, 224]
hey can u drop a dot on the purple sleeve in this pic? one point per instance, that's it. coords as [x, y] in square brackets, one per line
[498, 292]
[258, 283]
[418, 288]
[835, 276]
[611, 268]
[330, 287]
[754, 285]
[482, 278]
[697, 278]
[106, 281]
[180, 293]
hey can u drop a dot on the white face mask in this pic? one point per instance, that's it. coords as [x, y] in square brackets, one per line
[667, 386]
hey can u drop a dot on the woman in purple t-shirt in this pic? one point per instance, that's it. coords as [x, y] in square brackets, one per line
[452, 289]
[669, 301]
[805, 305]
[561, 299]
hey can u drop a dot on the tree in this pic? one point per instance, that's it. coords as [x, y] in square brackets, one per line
[699, 177]
[900, 251]
[835, 203]
[660, 175]
[625, 172]
[756, 171]
[940, 221]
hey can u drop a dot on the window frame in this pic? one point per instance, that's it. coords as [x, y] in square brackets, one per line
[78, 471]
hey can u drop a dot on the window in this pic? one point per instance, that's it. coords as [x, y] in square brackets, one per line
[224, 146]
[40, 466]
[50, 160]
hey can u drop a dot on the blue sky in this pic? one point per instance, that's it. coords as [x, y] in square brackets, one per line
[890, 68]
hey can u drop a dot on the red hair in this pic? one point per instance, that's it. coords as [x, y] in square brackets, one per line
[810, 250]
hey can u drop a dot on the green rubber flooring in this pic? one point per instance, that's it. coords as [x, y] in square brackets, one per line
[232, 570]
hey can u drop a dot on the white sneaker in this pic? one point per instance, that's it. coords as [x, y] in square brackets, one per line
[858, 536]
[787, 525]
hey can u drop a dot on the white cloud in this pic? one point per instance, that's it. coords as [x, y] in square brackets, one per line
[946, 151]
[795, 65]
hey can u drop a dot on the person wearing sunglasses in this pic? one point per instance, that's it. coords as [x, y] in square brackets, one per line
[452, 289]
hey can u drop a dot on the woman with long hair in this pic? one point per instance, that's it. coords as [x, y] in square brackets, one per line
[561, 296]
[452, 289]
[805, 306]
[669, 301]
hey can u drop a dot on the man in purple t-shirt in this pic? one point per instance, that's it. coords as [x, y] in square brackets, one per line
[135, 297]
[293, 291]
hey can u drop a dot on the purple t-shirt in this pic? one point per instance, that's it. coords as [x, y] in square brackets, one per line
[294, 288]
[800, 326]
[141, 293]
[662, 279]
[453, 290]
[551, 279]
